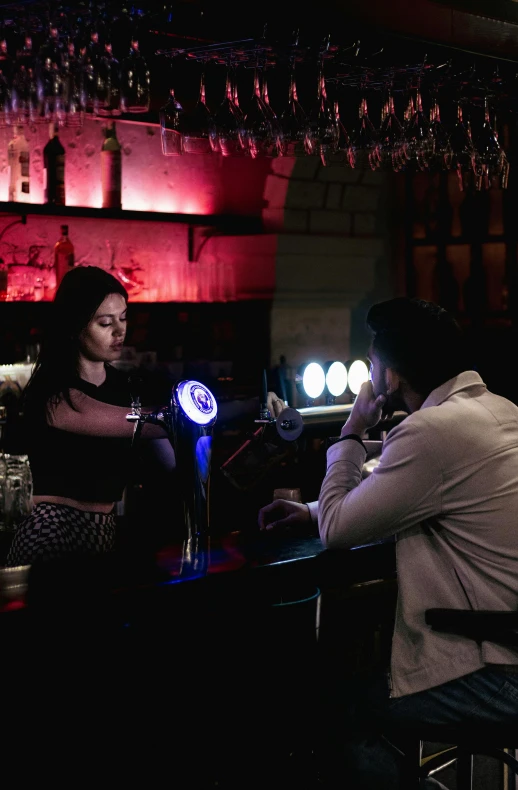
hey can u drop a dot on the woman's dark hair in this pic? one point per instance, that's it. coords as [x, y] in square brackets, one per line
[419, 340]
[78, 297]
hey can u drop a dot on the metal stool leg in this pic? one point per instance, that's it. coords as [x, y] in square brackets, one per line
[464, 770]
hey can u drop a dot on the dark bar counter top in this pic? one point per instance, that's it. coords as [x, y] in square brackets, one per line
[268, 565]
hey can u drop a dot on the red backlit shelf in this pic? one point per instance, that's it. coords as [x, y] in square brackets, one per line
[228, 223]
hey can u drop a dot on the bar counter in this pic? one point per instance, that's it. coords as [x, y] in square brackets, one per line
[206, 681]
[280, 563]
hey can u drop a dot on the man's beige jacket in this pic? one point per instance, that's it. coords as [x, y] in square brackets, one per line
[447, 487]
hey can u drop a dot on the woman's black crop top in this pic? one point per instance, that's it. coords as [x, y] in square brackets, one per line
[84, 466]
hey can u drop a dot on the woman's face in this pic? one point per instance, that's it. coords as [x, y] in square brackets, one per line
[102, 339]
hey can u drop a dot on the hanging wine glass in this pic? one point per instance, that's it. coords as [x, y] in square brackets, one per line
[259, 134]
[391, 137]
[418, 145]
[323, 128]
[135, 82]
[344, 153]
[366, 144]
[197, 127]
[489, 160]
[227, 135]
[294, 124]
[108, 84]
[171, 136]
[51, 88]
[24, 97]
[440, 157]
[462, 150]
[5, 101]
[6, 97]
[75, 97]
[274, 121]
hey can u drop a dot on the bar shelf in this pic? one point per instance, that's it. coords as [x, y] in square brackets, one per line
[230, 223]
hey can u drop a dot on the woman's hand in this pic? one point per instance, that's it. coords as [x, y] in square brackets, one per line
[274, 404]
[284, 513]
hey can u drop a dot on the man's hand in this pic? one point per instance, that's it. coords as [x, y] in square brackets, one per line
[284, 513]
[366, 412]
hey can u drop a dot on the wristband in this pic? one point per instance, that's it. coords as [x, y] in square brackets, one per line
[352, 436]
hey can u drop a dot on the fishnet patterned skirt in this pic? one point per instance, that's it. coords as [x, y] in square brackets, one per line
[54, 531]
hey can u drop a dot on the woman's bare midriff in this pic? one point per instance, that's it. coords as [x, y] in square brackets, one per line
[92, 507]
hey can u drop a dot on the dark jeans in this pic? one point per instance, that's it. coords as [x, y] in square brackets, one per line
[357, 744]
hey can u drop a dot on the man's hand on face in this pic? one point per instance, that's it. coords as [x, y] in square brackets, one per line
[367, 411]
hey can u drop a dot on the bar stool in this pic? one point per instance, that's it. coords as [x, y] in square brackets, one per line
[465, 742]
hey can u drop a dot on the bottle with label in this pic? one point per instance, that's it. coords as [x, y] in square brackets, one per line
[111, 169]
[18, 158]
[63, 255]
[54, 169]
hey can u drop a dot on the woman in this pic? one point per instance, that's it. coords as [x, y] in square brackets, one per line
[79, 440]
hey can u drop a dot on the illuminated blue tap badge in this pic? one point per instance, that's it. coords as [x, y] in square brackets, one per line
[197, 402]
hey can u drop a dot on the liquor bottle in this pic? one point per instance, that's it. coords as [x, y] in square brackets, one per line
[18, 157]
[63, 255]
[54, 169]
[111, 168]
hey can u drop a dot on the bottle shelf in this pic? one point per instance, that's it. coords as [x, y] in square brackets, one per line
[229, 223]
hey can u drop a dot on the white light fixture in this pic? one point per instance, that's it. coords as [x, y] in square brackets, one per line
[357, 374]
[311, 380]
[336, 378]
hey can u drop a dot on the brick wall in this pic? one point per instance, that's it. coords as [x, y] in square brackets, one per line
[333, 256]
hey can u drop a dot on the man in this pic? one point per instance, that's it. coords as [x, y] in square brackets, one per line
[447, 488]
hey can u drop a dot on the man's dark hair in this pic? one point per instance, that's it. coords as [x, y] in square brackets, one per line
[419, 340]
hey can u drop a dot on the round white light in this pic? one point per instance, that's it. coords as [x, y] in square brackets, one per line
[197, 402]
[314, 380]
[358, 374]
[336, 379]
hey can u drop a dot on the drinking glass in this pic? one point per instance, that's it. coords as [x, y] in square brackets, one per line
[462, 149]
[228, 135]
[108, 84]
[391, 137]
[366, 144]
[258, 130]
[418, 141]
[294, 125]
[276, 147]
[171, 136]
[323, 129]
[197, 127]
[5, 101]
[440, 158]
[75, 94]
[135, 82]
[489, 160]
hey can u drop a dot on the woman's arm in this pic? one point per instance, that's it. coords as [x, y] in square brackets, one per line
[91, 417]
